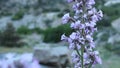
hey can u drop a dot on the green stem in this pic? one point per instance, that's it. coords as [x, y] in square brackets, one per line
[82, 59]
[78, 53]
[90, 65]
[82, 49]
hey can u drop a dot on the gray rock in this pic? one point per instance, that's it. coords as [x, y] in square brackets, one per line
[33, 39]
[56, 56]
[116, 24]
[111, 2]
[114, 39]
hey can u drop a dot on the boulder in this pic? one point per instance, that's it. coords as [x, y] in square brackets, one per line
[55, 56]
[116, 24]
[111, 2]
[114, 39]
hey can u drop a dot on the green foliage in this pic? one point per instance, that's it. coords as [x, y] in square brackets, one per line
[9, 37]
[111, 11]
[48, 22]
[60, 14]
[18, 15]
[24, 30]
[115, 48]
[50, 10]
[5, 14]
[54, 34]
[104, 22]
[37, 30]
[99, 2]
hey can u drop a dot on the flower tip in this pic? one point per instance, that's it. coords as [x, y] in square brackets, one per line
[66, 18]
[100, 13]
[63, 37]
[69, 1]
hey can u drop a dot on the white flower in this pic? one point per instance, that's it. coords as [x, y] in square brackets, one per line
[100, 14]
[63, 37]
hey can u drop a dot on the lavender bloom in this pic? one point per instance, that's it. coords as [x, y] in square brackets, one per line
[89, 38]
[81, 40]
[72, 46]
[98, 59]
[66, 18]
[73, 36]
[76, 25]
[69, 1]
[90, 2]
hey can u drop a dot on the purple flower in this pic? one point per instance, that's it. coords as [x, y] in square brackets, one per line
[74, 54]
[66, 18]
[92, 44]
[76, 25]
[90, 2]
[81, 40]
[78, 46]
[91, 24]
[94, 18]
[69, 1]
[73, 36]
[85, 16]
[88, 6]
[75, 60]
[98, 60]
[85, 55]
[70, 40]
[72, 46]
[92, 11]
[89, 38]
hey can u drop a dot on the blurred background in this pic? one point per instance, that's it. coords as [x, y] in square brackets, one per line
[31, 29]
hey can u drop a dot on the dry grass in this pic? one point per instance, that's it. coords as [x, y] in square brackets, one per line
[18, 50]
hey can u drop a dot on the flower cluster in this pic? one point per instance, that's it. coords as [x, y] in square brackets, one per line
[81, 40]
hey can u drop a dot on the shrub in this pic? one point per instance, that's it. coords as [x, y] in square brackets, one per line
[60, 15]
[50, 10]
[9, 37]
[18, 15]
[37, 30]
[48, 22]
[115, 48]
[24, 30]
[54, 34]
